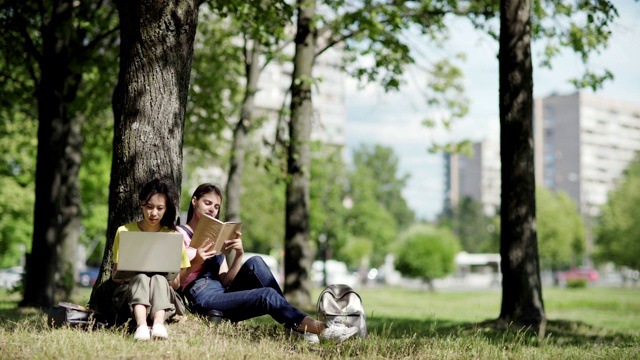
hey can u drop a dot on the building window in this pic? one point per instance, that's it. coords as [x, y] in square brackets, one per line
[549, 170]
[549, 157]
[549, 182]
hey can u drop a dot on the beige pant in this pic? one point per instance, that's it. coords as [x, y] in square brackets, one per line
[155, 293]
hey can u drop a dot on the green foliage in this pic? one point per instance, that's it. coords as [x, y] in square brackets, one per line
[90, 54]
[374, 31]
[581, 26]
[215, 92]
[263, 21]
[577, 283]
[220, 63]
[327, 193]
[378, 209]
[368, 217]
[380, 164]
[262, 202]
[16, 222]
[618, 227]
[18, 141]
[560, 230]
[476, 231]
[446, 94]
[356, 252]
[370, 220]
[95, 171]
[426, 252]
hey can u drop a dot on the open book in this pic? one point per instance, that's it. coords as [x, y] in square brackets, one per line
[214, 229]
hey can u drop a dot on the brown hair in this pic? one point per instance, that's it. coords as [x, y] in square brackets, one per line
[199, 192]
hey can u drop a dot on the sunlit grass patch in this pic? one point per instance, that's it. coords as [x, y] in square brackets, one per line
[403, 324]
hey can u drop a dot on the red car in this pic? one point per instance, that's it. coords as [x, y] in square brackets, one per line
[579, 273]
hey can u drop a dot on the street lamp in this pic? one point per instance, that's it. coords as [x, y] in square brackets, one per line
[322, 241]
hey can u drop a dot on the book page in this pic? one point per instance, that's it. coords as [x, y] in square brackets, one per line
[214, 229]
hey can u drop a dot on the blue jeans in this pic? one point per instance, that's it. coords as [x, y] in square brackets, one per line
[253, 292]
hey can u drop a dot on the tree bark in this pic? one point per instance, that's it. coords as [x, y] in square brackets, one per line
[149, 104]
[51, 266]
[297, 262]
[241, 133]
[521, 288]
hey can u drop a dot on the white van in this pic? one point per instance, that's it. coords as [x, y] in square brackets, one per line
[337, 273]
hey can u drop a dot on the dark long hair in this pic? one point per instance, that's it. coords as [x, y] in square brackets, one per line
[157, 186]
[199, 192]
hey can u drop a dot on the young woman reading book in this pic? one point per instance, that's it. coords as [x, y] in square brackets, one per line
[241, 291]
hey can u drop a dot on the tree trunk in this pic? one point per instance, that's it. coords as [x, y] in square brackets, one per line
[521, 289]
[149, 104]
[241, 134]
[298, 256]
[51, 266]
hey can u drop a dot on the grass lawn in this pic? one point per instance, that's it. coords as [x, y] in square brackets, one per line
[590, 323]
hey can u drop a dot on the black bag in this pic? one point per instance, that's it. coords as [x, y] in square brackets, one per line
[121, 310]
[340, 302]
[73, 315]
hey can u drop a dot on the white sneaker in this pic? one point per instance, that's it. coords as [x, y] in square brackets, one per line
[159, 331]
[338, 332]
[142, 333]
[310, 338]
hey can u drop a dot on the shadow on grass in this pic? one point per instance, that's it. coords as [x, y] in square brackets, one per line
[556, 332]
[11, 315]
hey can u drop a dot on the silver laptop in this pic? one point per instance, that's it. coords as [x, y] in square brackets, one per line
[149, 252]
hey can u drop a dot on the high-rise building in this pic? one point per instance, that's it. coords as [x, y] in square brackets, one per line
[582, 144]
[588, 141]
[273, 99]
[476, 176]
[328, 97]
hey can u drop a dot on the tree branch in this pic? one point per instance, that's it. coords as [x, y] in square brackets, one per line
[91, 45]
[277, 50]
[338, 40]
[29, 45]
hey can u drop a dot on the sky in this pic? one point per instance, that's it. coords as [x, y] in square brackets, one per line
[395, 119]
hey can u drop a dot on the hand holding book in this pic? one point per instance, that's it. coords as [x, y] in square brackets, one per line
[214, 230]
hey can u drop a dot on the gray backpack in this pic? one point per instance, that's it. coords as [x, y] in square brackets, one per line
[340, 302]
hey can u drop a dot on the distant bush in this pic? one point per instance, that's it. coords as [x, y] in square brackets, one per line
[426, 252]
[577, 283]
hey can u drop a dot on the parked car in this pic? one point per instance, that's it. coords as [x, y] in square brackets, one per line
[579, 273]
[10, 277]
[88, 277]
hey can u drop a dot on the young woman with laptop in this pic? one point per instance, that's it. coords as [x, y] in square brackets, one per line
[150, 295]
[241, 291]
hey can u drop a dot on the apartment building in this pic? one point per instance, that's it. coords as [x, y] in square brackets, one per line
[588, 141]
[273, 97]
[476, 176]
[329, 98]
[583, 143]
